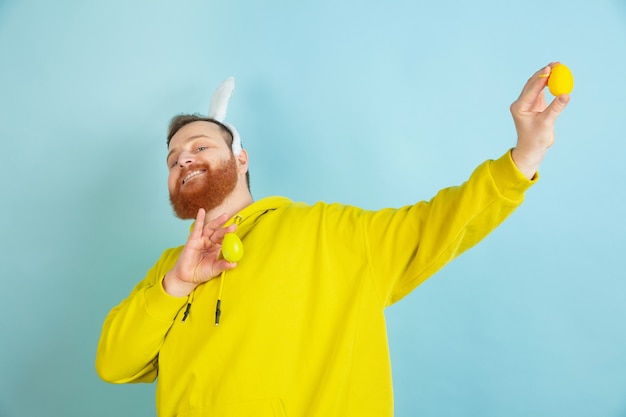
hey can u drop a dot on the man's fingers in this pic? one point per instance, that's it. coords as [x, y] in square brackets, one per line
[532, 90]
[217, 235]
[556, 107]
[216, 222]
[209, 231]
[214, 230]
[223, 265]
[196, 232]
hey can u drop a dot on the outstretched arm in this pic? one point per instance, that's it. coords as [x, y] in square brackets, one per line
[534, 122]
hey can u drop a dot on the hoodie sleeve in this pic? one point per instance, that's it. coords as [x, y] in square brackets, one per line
[134, 331]
[408, 245]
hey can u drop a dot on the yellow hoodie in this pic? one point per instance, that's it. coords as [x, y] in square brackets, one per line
[302, 330]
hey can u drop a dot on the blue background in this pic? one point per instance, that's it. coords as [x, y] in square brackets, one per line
[369, 103]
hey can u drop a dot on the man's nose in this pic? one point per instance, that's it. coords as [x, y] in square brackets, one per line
[185, 158]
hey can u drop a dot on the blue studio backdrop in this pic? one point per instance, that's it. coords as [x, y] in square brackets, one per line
[370, 103]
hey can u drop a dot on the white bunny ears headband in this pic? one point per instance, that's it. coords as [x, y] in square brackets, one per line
[219, 106]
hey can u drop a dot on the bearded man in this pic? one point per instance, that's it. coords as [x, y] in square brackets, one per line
[303, 328]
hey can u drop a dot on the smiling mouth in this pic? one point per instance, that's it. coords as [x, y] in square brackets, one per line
[192, 174]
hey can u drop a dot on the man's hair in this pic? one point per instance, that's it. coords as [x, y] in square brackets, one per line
[181, 120]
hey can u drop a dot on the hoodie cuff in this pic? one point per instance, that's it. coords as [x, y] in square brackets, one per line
[509, 180]
[160, 304]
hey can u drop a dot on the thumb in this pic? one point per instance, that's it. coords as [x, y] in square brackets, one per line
[556, 107]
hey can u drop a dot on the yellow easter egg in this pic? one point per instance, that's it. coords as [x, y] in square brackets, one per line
[232, 247]
[561, 80]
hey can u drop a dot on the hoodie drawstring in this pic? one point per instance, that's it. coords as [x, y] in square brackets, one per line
[218, 311]
[232, 251]
[188, 309]
[237, 253]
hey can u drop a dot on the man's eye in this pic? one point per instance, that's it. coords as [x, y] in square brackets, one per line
[201, 148]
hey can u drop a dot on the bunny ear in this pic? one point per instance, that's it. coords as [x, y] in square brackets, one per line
[219, 101]
[219, 106]
[236, 146]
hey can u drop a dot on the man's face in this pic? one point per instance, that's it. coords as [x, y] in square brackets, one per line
[202, 169]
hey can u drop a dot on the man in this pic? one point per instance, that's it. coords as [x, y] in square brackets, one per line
[302, 329]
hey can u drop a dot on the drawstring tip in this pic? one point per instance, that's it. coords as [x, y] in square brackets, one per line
[186, 313]
[218, 312]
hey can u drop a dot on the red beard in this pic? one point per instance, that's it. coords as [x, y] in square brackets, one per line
[208, 191]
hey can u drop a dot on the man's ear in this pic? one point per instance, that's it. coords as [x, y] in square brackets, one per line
[242, 162]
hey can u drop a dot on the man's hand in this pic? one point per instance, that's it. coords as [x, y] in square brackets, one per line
[200, 259]
[534, 122]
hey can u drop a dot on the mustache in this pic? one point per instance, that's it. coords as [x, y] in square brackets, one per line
[196, 166]
[218, 181]
[191, 172]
